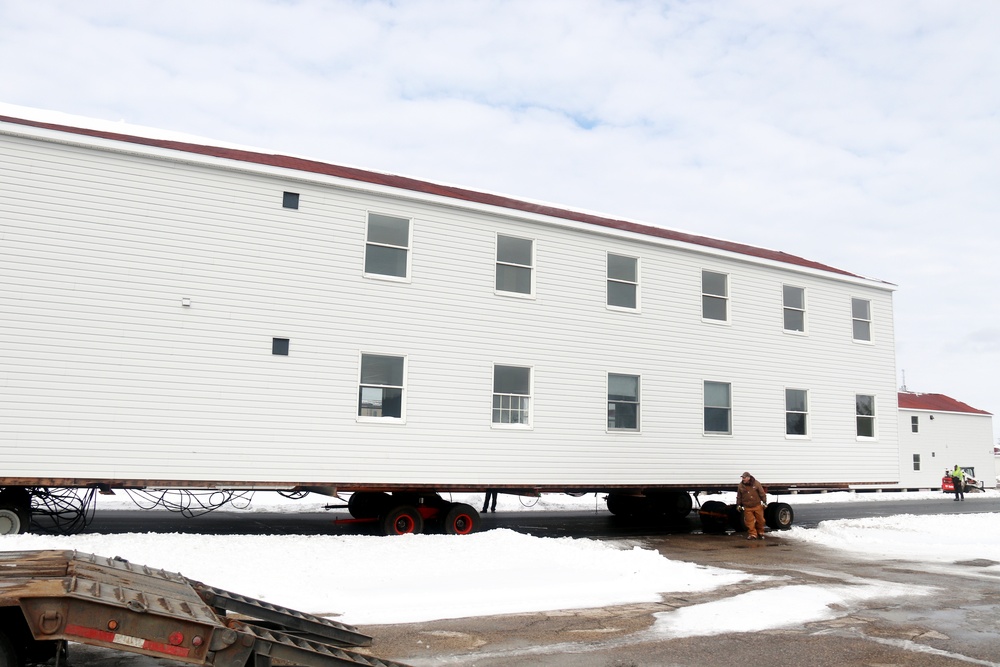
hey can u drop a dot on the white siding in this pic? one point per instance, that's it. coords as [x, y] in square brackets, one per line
[944, 440]
[103, 373]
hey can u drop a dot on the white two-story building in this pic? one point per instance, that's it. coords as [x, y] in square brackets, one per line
[189, 314]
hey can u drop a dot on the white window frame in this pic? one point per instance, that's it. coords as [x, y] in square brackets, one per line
[530, 396]
[785, 308]
[497, 264]
[855, 320]
[873, 417]
[609, 280]
[797, 436]
[407, 248]
[637, 402]
[401, 419]
[705, 406]
[725, 298]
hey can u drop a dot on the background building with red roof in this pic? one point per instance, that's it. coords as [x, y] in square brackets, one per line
[937, 432]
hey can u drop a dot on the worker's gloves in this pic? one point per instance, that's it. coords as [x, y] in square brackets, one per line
[763, 504]
[739, 507]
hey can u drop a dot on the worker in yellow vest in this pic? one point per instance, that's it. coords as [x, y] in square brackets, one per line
[958, 481]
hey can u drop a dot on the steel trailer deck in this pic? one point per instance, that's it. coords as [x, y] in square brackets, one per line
[48, 598]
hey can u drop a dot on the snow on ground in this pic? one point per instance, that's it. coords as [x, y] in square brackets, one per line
[376, 580]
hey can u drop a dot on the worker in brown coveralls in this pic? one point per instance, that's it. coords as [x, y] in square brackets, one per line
[751, 500]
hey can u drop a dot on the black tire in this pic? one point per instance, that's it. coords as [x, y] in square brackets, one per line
[368, 504]
[623, 505]
[402, 520]
[461, 519]
[672, 506]
[769, 516]
[8, 658]
[783, 515]
[737, 519]
[714, 517]
[13, 520]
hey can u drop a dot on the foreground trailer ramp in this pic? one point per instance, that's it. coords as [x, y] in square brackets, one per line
[48, 598]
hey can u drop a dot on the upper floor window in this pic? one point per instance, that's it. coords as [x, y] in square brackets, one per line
[387, 251]
[715, 296]
[511, 395]
[380, 393]
[718, 407]
[623, 402]
[623, 281]
[795, 308]
[290, 199]
[861, 313]
[515, 264]
[915, 424]
[865, 415]
[796, 412]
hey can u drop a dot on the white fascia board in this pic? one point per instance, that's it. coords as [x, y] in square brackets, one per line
[945, 412]
[229, 164]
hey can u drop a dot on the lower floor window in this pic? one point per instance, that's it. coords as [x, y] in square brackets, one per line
[796, 412]
[623, 402]
[718, 407]
[381, 388]
[511, 395]
[865, 414]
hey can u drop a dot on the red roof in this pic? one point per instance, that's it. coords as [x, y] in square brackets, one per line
[405, 183]
[936, 402]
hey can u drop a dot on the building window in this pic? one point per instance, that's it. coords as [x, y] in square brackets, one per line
[387, 251]
[381, 387]
[865, 413]
[796, 412]
[623, 402]
[515, 263]
[915, 424]
[916, 461]
[511, 395]
[795, 308]
[718, 407]
[290, 199]
[279, 346]
[623, 281]
[861, 312]
[715, 296]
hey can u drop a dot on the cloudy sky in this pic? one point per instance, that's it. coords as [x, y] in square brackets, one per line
[865, 135]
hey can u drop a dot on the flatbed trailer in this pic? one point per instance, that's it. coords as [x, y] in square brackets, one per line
[51, 598]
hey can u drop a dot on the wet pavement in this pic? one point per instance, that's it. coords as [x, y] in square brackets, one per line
[958, 624]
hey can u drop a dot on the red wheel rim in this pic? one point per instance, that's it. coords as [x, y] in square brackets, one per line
[404, 524]
[462, 524]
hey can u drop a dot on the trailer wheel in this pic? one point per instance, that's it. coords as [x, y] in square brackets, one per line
[714, 516]
[672, 506]
[624, 505]
[367, 504]
[779, 516]
[461, 519]
[737, 519]
[13, 520]
[15, 510]
[402, 520]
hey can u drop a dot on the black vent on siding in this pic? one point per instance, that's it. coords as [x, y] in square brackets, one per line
[279, 346]
[290, 200]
